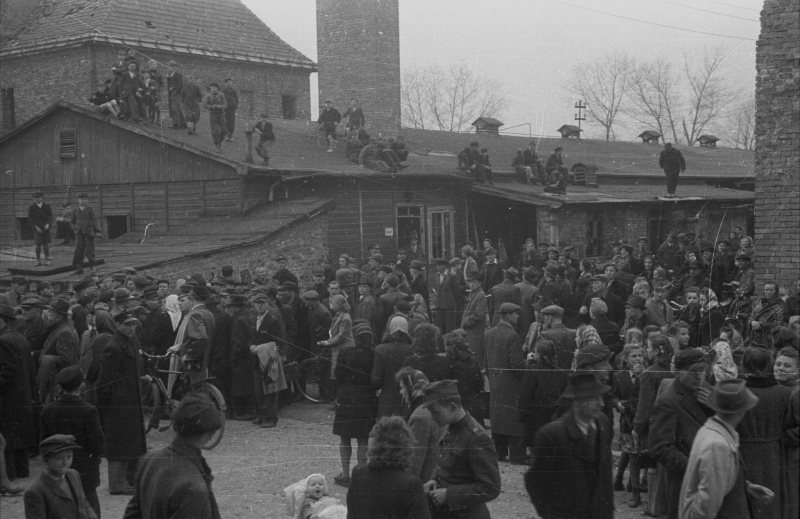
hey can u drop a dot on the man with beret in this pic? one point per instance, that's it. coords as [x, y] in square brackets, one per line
[571, 473]
[242, 390]
[675, 420]
[505, 368]
[119, 403]
[71, 415]
[473, 321]
[61, 347]
[563, 338]
[40, 216]
[193, 342]
[57, 492]
[84, 226]
[175, 482]
[467, 475]
[616, 308]
[491, 271]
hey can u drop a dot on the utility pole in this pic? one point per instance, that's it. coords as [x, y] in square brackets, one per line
[579, 117]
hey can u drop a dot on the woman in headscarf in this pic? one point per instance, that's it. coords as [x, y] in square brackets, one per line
[356, 401]
[542, 386]
[425, 358]
[724, 367]
[465, 369]
[767, 314]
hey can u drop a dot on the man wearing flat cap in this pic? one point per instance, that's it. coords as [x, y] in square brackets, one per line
[474, 319]
[467, 475]
[571, 473]
[505, 368]
[175, 482]
[615, 306]
[491, 271]
[505, 292]
[84, 225]
[675, 420]
[554, 330]
[195, 333]
[32, 323]
[40, 217]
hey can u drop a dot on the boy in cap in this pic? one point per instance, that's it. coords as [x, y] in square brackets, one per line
[57, 492]
[40, 216]
[71, 415]
[468, 476]
[176, 481]
[83, 223]
[214, 102]
[283, 274]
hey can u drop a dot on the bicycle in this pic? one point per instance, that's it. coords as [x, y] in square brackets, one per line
[311, 374]
[155, 398]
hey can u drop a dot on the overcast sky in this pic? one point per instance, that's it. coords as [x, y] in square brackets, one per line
[533, 46]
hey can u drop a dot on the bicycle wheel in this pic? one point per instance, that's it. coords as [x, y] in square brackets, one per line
[219, 402]
[311, 378]
[151, 404]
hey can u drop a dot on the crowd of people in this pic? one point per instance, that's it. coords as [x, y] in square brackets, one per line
[529, 169]
[545, 351]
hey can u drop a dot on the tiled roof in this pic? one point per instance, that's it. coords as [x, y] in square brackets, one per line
[222, 28]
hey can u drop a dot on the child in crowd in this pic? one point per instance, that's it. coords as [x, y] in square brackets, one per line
[309, 499]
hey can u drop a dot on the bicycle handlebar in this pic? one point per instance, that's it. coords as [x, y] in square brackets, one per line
[159, 357]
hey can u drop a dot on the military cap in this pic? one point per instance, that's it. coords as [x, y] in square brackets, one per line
[42, 285]
[122, 294]
[508, 308]
[552, 248]
[690, 358]
[119, 277]
[195, 415]
[70, 378]
[593, 353]
[32, 302]
[416, 264]
[552, 310]
[57, 443]
[36, 193]
[436, 391]
[59, 305]
[200, 292]
[600, 277]
[544, 245]
[364, 281]
[150, 292]
[7, 311]
[636, 302]
[310, 294]
[585, 385]
[83, 284]
[489, 251]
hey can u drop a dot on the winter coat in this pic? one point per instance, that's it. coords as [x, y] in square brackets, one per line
[242, 361]
[769, 314]
[505, 368]
[119, 400]
[17, 391]
[386, 492]
[467, 372]
[356, 396]
[625, 390]
[434, 367]
[505, 292]
[62, 348]
[671, 160]
[389, 359]
[564, 341]
[541, 388]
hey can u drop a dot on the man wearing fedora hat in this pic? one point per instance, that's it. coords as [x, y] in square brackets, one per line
[61, 347]
[40, 216]
[714, 484]
[505, 292]
[571, 473]
[474, 319]
[84, 226]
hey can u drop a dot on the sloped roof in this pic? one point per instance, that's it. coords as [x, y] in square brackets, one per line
[216, 28]
[488, 120]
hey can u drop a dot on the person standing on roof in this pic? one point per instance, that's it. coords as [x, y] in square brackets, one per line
[215, 103]
[232, 98]
[190, 103]
[673, 164]
[266, 138]
[355, 117]
[329, 118]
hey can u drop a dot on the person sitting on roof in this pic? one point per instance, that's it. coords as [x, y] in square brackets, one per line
[557, 183]
[487, 166]
[266, 138]
[532, 165]
[103, 103]
[555, 163]
[469, 157]
[370, 157]
[399, 147]
[389, 156]
[353, 146]
[355, 117]
[518, 163]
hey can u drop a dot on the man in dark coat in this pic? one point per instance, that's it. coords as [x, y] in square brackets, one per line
[119, 403]
[196, 332]
[40, 216]
[616, 308]
[283, 274]
[675, 420]
[528, 292]
[474, 319]
[131, 89]
[289, 296]
[506, 292]
[219, 362]
[71, 415]
[175, 82]
[319, 319]
[419, 285]
[329, 118]
[673, 164]
[491, 271]
[447, 297]
[84, 225]
[242, 389]
[267, 326]
[563, 338]
[175, 482]
[505, 368]
[232, 100]
[606, 328]
[531, 162]
[365, 309]
[571, 473]
[17, 392]
[551, 289]
[386, 303]
[61, 347]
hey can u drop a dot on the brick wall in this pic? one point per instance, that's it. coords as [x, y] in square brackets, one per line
[777, 169]
[72, 75]
[358, 44]
[304, 245]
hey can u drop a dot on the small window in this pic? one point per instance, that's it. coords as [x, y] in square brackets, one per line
[440, 232]
[116, 226]
[594, 234]
[289, 107]
[409, 223]
[67, 144]
[7, 110]
[24, 230]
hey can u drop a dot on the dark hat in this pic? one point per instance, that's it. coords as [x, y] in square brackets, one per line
[552, 310]
[491, 244]
[328, 100]
[162, 280]
[436, 391]
[124, 317]
[281, 258]
[195, 415]
[31, 302]
[467, 243]
[57, 443]
[628, 248]
[551, 269]
[681, 237]
[227, 270]
[83, 284]
[373, 246]
[726, 242]
[592, 353]
[150, 292]
[490, 250]
[59, 305]
[43, 285]
[542, 303]
[636, 302]
[508, 308]
[129, 271]
[7, 311]
[386, 268]
[731, 396]
[585, 385]
[199, 279]
[122, 294]
[119, 277]
[66, 204]
[474, 276]
[706, 246]
[511, 273]
[200, 292]
[364, 281]
[442, 262]
[105, 295]
[289, 285]
[310, 294]
[186, 288]
[83, 195]
[416, 265]
[552, 248]
[544, 244]
[600, 277]
[529, 274]
[237, 300]
[36, 193]
[140, 312]
[402, 307]
[689, 358]
[70, 378]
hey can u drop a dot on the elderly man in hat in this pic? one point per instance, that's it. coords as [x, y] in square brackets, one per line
[505, 292]
[119, 403]
[242, 362]
[714, 484]
[675, 420]
[505, 367]
[175, 482]
[446, 297]
[563, 338]
[571, 472]
[61, 347]
[193, 342]
[84, 225]
[473, 321]
[467, 475]
[58, 491]
[40, 216]
[616, 308]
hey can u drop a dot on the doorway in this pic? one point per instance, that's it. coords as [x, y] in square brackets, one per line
[116, 226]
[289, 105]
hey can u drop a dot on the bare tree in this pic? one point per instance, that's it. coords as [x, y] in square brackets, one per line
[655, 97]
[603, 84]
[708, 92]
[740, 125]
[448, 99]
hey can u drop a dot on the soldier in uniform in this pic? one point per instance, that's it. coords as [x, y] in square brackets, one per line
[467, 475]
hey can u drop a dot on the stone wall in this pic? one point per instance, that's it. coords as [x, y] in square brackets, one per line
[358, 45]
[777, 168]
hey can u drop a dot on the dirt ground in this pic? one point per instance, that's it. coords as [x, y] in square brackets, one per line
[252, 466]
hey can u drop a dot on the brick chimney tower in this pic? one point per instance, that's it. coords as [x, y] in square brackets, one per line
[358, 55]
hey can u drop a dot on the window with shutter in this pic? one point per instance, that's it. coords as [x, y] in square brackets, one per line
[67, 144]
